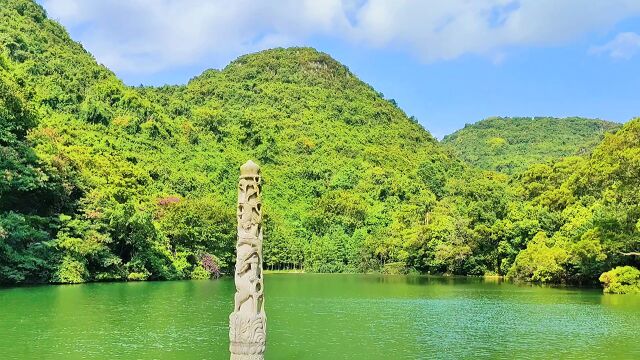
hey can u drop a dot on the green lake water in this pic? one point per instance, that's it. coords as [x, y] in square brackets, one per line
[322, 317]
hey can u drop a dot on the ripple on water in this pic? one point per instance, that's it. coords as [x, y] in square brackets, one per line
[321, 317]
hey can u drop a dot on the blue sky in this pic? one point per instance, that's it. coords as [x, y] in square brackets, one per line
[445, 62]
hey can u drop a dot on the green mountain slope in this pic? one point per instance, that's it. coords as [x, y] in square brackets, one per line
[100, 181]
[145, 178]
[510, 145]
[587, 211]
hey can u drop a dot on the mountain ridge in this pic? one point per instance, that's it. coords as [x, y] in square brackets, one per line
[511, 144]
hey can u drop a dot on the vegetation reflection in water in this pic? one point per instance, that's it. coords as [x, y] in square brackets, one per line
[322, 317]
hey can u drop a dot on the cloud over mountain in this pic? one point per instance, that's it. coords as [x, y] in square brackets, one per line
[170, 33]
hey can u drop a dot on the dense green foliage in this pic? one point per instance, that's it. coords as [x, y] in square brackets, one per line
[621, 280]
[100, 181]
[147, 176]
[72, 206]
[590, 207]
[28, 194]
[511, 145]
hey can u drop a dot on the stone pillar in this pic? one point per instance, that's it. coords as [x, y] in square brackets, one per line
[248, 322]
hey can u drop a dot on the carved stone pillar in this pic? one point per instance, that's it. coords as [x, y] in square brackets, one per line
[248, 322]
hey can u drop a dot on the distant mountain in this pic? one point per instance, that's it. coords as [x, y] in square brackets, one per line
[510, 145]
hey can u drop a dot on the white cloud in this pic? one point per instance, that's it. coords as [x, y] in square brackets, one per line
[140, 36]
[441, 30]
[151, 35]
[623, 47]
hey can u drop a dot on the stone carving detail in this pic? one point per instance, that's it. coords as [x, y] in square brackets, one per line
[248, 322]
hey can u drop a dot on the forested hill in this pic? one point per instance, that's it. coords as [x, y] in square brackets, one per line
[510, 145]
[107, 182]
[100, 181]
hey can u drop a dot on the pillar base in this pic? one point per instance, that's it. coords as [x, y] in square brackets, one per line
[247, 333]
